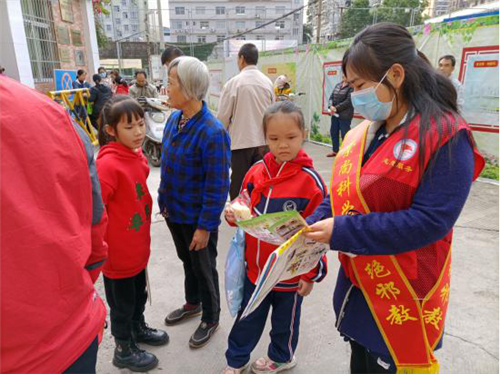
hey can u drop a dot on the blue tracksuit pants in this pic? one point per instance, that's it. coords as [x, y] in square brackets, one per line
[285, 321]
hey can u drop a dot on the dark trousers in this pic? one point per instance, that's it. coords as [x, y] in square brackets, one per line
[241, 161]
[201, 280]
[285, 321]
[126, 298]
[85, 364]
[339, 127]
[364, 362]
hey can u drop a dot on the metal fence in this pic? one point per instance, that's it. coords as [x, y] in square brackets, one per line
[41, 38]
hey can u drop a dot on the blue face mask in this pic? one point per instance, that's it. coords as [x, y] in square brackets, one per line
[366, 103]
[103, 75]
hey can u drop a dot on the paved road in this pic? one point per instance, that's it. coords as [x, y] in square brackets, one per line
[470, 344]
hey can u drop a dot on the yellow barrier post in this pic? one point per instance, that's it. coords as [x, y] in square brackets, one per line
[70, 103]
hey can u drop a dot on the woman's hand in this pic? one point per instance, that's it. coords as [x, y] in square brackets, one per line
[229, 214]
[200, 240]
[321, 231]
[333, 109]
[305, 288]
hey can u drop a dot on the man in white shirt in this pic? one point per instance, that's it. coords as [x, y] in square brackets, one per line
[242, 104]
[447, 66]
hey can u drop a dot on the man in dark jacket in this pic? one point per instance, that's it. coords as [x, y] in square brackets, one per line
[99, 95]
[341, 111]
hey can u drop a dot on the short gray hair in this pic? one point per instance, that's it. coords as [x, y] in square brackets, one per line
[193, 76]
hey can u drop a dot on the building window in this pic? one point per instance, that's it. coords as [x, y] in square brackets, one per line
[296, 16]
[119, 33]
[202, 39]
[280, 10]
[181, 38]
[220, 25]
[177, 25]
[219, 10]
[180, 10]
[240, 24]
[240, 10]
[108, 28]
[204, 25]
[118, 21]
[133, 15]
[200, 10]
[295, 32]
[220, 38]
[125, 15]
[134, 28]
[241, 38]
[125, 27]
[279, 37]
[116, 8]
[107, 16]
[41, 39]
[259, 23]
[260, 11]
[124, 2]
[280, 24]
[260, 37]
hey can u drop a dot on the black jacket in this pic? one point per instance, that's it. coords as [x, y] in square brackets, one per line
[341, 100]
[99, 95]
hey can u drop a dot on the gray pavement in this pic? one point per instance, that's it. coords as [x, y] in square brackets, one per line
[471, 337]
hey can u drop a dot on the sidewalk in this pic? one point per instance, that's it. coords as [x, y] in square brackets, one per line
[471, 335]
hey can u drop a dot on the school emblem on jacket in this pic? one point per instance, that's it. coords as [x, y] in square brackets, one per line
[405, 149]
[289, 205]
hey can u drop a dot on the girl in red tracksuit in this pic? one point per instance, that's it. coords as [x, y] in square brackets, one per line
[123, 171]
[283, 180]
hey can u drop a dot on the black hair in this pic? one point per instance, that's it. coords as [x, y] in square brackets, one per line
[426, 92]
[170, 53]
[250, 53]
[285, 107]
[113, 112]
[97, 78]
[101, 68]
[80, 72]
[140, 72]
[449, 57]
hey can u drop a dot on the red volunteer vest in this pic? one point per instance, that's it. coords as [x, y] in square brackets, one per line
[407, 293]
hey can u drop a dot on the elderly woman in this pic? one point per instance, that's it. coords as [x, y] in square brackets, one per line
[193, 190]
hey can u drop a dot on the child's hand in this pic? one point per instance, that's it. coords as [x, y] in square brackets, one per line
[305, 288]
[229, 214]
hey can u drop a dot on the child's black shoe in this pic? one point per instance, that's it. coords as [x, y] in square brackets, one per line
[142, 333]
[128, 355]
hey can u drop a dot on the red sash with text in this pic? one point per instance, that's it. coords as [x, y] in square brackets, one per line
[408, 293]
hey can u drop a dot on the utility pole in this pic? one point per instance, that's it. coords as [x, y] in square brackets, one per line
[160, 24]
[320, 9]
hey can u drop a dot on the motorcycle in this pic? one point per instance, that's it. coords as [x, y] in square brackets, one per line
[155, 116]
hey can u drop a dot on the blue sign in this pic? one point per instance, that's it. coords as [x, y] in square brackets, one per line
[64, 79]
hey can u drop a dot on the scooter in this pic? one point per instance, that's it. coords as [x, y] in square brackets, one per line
[155, 116]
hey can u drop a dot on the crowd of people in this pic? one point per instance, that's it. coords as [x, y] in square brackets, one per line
[399, 182]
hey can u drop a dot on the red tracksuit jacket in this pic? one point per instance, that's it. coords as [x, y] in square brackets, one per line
[274, 187]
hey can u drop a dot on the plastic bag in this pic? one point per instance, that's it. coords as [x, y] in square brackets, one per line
[235, 272]
[241, 207]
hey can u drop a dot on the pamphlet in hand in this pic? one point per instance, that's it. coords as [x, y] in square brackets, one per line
[274, 228]
[297, 256]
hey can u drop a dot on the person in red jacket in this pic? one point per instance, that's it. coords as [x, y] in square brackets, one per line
[53, 224]
[123, 171]
[283, 180]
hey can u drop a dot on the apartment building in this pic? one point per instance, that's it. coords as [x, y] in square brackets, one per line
[206, 21]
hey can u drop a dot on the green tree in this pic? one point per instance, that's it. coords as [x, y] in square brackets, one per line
[355, 18]
[136, 222]
[99, 7]
[307, 34]
[403, 12]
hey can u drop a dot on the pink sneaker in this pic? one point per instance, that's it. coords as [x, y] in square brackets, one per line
[266, 365]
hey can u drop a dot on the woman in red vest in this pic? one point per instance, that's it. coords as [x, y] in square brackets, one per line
[399, 183]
